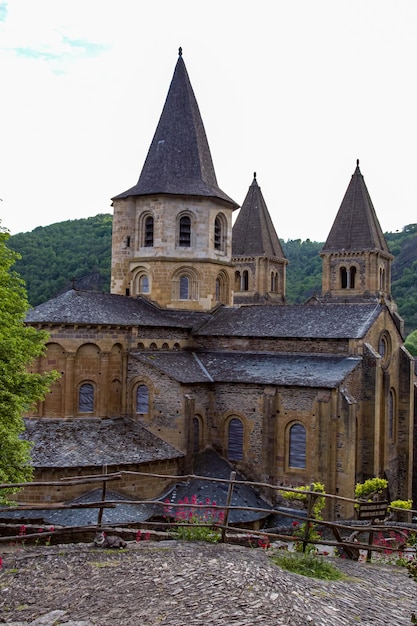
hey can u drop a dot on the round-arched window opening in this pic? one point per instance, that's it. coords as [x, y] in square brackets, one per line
[384, 348]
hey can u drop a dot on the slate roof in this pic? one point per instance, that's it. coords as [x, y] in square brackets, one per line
[179, 159]
[318, 321]
[210, 464]
[207, 463]
[91, 442]
[122, 513]
[87, 307]
[356, 227]
[185, 367]
[302, 370]
[254, 233]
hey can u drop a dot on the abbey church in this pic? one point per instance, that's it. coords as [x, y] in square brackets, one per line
[196, 348]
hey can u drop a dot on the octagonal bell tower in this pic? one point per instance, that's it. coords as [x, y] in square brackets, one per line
[172, 231]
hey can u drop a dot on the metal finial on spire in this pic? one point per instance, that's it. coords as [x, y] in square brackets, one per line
[180, 51]
[357, 162]
[254, 174]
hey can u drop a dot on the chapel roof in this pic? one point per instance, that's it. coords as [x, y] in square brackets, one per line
[254, 233]
[93, 441]
[179, 160]
[356, 226]
[267, 368]
[88, 307]
[315, 321]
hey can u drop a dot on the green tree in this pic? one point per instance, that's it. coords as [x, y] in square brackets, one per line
[411, 343]
[19, 389]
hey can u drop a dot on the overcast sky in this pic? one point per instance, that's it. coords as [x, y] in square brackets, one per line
[295, 90]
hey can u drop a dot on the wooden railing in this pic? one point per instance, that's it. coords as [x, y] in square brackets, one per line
[349, 545]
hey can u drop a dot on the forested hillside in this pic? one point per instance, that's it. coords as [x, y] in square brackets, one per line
[56, 256]
[79, 252]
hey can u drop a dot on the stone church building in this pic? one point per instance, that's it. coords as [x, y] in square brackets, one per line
[196, 347]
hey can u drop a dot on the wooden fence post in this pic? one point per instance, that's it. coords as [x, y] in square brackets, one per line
[310, 502]
[103, 497]
[228, 501]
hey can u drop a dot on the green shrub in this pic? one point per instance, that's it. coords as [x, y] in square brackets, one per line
[370, 487]
[307, 565]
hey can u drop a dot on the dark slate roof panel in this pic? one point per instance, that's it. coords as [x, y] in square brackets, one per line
[184, 367]
[302, 370]
[356, 227]
[179, 160]
[121, 513]
[92, 442]
[299, 370]
[254, 233]
[210, 465]
[88, 307]
[318, 321]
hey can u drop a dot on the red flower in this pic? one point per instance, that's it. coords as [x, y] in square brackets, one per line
[295, 524]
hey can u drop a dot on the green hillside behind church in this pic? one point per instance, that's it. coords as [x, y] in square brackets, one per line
[78, 252]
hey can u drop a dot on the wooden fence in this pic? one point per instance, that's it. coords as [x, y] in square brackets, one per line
[349, 545]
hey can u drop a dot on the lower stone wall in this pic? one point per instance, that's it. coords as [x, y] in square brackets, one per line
[131, 485]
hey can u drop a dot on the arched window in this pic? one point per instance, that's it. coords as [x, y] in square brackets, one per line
[217, 233]
[148, 232]
[222, 287]
[237, 281]
[142, 399]
[86, 398]
[220, 226]
[184, 239]
[244, 281]
[144, 284]
[184, 288]
[235, 440]
[352, 276]
[343, 278]
[391, 415]
[382, 279]
[185, 284]
[297, 447]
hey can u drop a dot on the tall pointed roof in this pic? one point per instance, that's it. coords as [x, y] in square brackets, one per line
[253, 232]
[356, 227]
[179, 160]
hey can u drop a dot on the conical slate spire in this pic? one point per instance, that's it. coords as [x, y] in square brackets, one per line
[179, 160]
[356, 227]
[253, 232]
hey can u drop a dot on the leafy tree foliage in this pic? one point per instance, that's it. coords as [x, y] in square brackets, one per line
[19, 389]
[411, 343]
[53, 257]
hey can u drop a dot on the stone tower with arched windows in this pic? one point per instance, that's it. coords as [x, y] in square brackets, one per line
[260, 263]
[172, 231]
[356, 258]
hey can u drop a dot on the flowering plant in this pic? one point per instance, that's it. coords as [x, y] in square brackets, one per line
[307, 531]
[196, 521]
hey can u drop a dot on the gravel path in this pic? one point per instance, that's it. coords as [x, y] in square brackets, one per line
[194, 584]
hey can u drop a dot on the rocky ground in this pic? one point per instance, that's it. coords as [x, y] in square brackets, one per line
[179, 583]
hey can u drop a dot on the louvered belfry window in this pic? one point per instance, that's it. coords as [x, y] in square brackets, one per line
[142, 399]
[298, 441]
[235, 440]
[148, 232]
[86, 398]
[185, 232]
